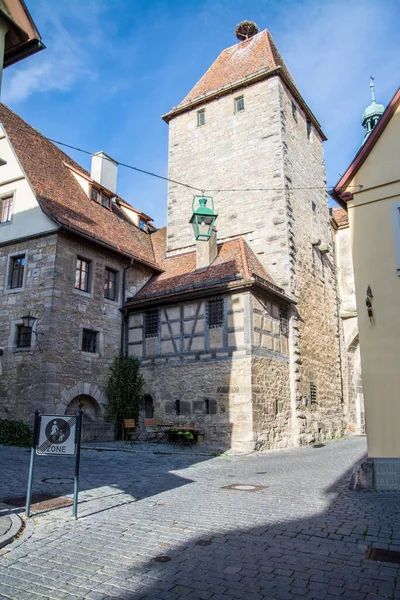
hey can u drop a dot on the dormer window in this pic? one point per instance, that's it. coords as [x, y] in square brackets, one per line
[100, 197]
[106, 200]
[143, 225]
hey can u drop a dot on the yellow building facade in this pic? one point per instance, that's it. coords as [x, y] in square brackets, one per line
[370, 189]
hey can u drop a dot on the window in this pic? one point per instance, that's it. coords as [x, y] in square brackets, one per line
[201, 117]
[215, 312]
[24, 336]
[89, 341]
[6, 206]
[239, 104]
[82, 274]
[106, 200]
[151, 323]
[148, 407]
[283, 320]
[178, 407]
[110, 284]
[309, 128]
[95, 195]
[16, 276]
[313, 393]
[313, 206]
[207, 406]
[294, 111]
[143, 225]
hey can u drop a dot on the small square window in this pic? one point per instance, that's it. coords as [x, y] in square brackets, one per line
[89, 341]
[82, 274]
[24, 336]
[151, 319]
[6, 206]
[16, 273]
[239, 104]
[201, 117]
[95, 195]
[294, 111]
[283, 320]
[110, 284]
[215, 313]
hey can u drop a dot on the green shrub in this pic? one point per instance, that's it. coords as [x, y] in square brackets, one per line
[15, 433]
[124, 391]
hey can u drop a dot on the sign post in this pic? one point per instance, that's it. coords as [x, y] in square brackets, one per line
[56, 436]
[77, 462]
[36, 427]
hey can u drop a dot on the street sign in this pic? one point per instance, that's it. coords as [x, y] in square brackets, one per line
[57, 435]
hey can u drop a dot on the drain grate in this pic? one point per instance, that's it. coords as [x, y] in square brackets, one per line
[382, 555]
[203, 543]
[244, 487]
[59, 480]
[162, 559]
[39, 502]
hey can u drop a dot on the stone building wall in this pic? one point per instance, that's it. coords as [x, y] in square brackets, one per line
[54, 372]
[318, 408]
[23, 381]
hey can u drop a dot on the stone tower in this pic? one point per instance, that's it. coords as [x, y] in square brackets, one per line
[245, 135]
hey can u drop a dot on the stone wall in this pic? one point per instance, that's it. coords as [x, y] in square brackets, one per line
[317, 399]
[49, 375]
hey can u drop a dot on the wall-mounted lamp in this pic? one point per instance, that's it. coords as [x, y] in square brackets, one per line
[28, 321]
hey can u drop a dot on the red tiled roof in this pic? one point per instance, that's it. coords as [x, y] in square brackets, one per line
[340, 216]
[235, 261]
[238, 62]
[62, 198]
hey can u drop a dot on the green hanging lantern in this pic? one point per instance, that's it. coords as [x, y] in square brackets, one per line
[203, 217]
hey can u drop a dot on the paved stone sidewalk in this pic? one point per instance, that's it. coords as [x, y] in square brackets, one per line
[305, 535]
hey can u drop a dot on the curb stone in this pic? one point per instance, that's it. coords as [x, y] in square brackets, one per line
[15, 527]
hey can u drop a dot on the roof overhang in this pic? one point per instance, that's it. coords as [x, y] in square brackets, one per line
[22, 39]
[246, 81]
[339, 192]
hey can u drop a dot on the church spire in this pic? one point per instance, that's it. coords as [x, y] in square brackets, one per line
[372, 113]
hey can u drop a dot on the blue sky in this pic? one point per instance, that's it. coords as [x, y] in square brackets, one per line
[113, 67]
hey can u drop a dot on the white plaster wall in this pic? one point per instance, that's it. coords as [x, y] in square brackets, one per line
[28, 218]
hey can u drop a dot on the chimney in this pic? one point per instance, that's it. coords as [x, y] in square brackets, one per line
[206, 251]
[104, 171]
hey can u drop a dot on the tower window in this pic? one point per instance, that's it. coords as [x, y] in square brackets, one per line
[239, 104]
[16, 273]
[313, 392]
[82, 274]
[215, 313]
[294, 111]
[201, 117]
[309, 128]
[151, 323]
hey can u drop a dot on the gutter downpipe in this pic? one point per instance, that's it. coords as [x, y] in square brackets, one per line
[124, 329]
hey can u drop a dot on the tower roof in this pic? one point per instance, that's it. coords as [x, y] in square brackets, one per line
[374, 109]
[252, 60]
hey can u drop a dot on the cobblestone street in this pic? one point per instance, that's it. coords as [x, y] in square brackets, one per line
[304, 535]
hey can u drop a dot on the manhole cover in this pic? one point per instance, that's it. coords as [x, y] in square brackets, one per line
[59, 480]
[244, 487]
[203, 542]
[382, 555]
[39, 502]
[162, 559]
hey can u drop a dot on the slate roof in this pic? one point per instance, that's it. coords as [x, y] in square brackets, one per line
[238, 62]
[62, 198]
[235, 262]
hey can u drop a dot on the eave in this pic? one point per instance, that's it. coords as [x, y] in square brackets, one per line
[229, 88]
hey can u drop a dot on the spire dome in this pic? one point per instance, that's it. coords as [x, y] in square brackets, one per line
[372, 113]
